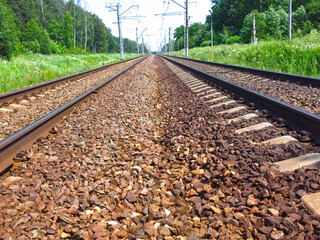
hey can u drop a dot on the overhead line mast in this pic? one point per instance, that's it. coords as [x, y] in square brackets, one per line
[187, 23]
[186, 7]
[116, 8]
[138, 40]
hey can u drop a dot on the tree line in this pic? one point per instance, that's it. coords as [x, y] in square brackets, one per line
[54, 27]
[232, 22]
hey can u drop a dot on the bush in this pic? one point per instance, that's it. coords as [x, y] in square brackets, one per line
[32, 46]
[232, 40]
[9, 34]
[205, 44]
[75, 50]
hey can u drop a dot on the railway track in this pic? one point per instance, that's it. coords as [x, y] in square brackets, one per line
[160, 153]
[245, 118]
[300, 91]
[298, 119]
[29, 113]
[23, 106]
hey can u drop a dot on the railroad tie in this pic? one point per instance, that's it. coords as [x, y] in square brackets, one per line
[256, 127]
[233, 110]
[213, 100]
[244, 117]
[223, 104]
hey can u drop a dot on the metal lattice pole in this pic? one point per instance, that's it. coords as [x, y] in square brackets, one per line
[120, 36]
[137, 40]
[290, 20]
[187, 31]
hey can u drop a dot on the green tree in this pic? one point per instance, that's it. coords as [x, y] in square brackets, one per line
[35, 39]
[179, 32]
[271, 24]
[100, 36]
[113, 45]
[9, 34]
[67, 30]
[197, 34]
[26, 10]
[313, 10]
[64, 31]
[179, 44]
[231, 13]
[129, 45]
[300, 22]
[54, 31]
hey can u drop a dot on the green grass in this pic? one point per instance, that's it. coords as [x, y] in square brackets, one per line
[300, 56]
[26, 70]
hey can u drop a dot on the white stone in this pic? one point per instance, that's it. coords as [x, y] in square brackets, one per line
[112, 223]
[167, 212]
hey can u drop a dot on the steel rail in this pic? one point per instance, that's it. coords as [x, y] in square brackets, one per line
[277, 75]
[24, 138]
[8, 96]
[297, 119]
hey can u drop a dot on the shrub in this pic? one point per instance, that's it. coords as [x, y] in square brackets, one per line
[205, 44]
[233, 39]
[9, 34]
[32, 46]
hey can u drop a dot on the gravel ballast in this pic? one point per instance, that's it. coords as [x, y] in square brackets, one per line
[146, 159]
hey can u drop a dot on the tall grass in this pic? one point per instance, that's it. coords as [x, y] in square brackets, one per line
[26, 70]
[300, 56]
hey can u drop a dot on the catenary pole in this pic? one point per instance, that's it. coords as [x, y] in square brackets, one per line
[115, 8]
[165, 44]
[120, 36]
[138, 36]
[186, 33]
[137, 41]
[169, 40]
[142, 46]
[290, 20]
[211, 34]
[187, 30]
[254, 40]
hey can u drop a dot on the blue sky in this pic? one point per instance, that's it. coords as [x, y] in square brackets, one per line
[157, 27]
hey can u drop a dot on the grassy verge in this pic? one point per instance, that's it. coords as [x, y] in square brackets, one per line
[300, 56]
[26, 70]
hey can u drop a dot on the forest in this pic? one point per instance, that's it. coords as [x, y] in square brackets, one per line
[232, 22]
[54, 27]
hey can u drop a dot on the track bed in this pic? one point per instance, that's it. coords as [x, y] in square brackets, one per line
[148, 158]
